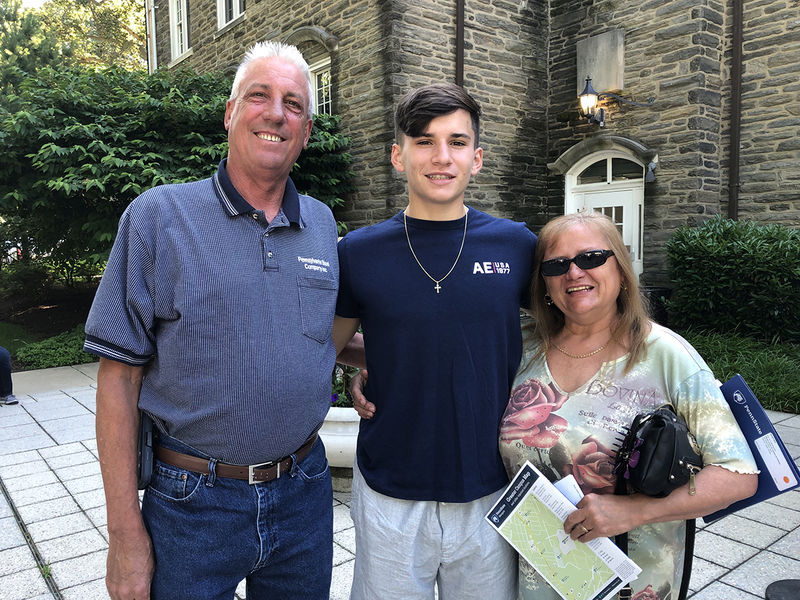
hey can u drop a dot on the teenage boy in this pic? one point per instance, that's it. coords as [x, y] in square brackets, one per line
[437, 290]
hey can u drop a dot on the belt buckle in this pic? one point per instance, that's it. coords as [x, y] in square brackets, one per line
[267, 465]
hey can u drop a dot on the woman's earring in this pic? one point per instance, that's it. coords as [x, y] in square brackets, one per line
[548, 300]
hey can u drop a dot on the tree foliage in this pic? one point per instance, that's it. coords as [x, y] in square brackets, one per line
[323, 168]
[79, 144]
[25, 45]
[99, 32]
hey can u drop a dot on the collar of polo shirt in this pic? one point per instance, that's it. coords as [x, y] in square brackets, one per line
[234, 203]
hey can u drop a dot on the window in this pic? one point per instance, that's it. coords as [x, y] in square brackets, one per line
[621, 170]
[228, 11]
[594, 173]
[321, 80]
[179, 27]
[625, 169]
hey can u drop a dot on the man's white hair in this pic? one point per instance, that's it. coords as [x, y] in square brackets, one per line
[269, 50]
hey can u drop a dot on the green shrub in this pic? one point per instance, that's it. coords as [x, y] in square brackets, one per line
[79, 143]
[13, 337]
[771, 369]
[340, 385]
[736, 276]
[62, 350]
[23, 280]
[323, 168]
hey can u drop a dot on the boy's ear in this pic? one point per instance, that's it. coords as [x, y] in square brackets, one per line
[477, 161]
[397, 158]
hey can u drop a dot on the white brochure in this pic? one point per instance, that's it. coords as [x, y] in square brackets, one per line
[530, 515]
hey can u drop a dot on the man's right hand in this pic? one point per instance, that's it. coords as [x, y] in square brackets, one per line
[130, 565]
[364, 408]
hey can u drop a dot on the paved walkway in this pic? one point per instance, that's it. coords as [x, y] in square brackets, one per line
[53, 536]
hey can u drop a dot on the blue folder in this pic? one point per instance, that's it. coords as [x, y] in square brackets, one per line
[778, 472]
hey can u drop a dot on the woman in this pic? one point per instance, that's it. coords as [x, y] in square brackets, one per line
[591, 362]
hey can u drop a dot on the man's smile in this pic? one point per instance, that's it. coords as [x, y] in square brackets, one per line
[270, 137]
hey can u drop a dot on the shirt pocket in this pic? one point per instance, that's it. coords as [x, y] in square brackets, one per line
[317, 306]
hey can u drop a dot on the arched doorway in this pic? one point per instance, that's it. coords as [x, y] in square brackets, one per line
[607, 174]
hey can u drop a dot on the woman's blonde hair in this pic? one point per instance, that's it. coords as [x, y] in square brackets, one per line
[632, 326]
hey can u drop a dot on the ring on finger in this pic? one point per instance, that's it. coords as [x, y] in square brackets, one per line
[585, 531]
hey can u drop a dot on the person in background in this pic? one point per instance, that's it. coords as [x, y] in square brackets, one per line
[592, 360]
[6, 387]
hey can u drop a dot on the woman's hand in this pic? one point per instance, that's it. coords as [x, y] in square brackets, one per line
[364, 408]
[602, 515]
[608, 515]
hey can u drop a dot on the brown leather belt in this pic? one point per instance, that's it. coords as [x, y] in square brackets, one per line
[250, 473]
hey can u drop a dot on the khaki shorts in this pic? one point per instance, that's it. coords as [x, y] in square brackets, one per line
[406, 548]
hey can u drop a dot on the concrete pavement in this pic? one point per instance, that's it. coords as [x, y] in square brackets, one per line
[53, 536]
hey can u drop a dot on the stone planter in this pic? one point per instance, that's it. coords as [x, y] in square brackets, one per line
[339, 433]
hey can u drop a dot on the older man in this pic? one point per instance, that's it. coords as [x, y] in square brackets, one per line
[209, 319]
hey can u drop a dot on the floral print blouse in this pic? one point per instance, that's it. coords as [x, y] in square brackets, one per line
[575, 433]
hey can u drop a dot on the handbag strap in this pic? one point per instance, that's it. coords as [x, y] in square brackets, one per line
[688, 557]
[621, 540]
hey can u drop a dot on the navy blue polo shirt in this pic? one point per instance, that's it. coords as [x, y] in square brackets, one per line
[230, 314]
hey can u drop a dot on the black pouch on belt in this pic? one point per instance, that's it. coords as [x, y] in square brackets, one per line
[144, 452]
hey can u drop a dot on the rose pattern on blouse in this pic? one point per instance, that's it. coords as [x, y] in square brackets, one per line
[593, 467]
[529, 415]
[647, 593]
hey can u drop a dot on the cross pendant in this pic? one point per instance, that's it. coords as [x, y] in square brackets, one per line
[437, 287]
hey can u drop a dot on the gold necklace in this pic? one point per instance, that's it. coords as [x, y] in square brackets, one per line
[587, 355]
[437, 287]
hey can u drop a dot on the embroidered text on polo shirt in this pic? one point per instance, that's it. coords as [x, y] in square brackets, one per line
[314, 264]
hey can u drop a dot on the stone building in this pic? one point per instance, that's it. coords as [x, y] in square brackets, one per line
[724, 81]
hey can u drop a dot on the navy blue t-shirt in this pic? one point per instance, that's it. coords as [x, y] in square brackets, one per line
[441, 364]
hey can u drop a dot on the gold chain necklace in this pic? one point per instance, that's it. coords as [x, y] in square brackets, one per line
[587, 355]
[437, 287]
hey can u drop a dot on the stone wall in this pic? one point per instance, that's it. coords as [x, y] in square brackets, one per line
[506, 70]
[770, 134]
[673, 51]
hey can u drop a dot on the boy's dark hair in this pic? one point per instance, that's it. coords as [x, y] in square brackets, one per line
[420, 106]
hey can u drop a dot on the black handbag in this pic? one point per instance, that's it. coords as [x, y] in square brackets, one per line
[657, 455]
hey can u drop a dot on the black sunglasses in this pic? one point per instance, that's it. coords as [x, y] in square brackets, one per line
[590, 259]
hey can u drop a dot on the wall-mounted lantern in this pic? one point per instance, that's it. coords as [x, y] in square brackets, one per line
[589, 98]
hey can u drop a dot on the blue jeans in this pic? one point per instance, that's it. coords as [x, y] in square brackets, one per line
[211, 532]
